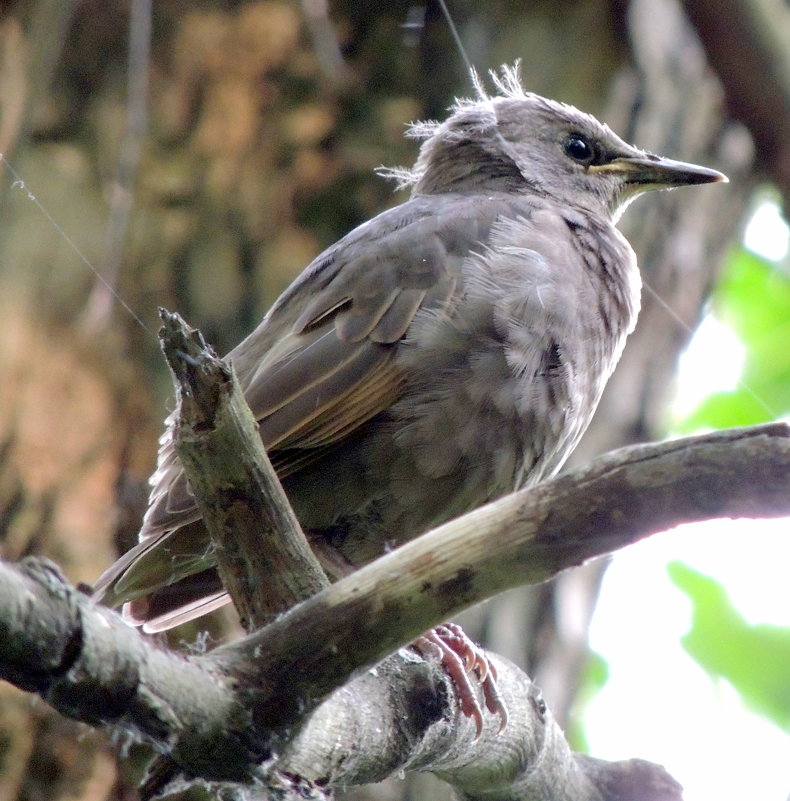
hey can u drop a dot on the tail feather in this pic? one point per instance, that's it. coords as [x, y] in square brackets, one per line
[178, 603]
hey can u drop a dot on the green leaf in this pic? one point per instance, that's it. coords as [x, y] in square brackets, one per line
[754, 659]
[753, 298]
[593, 678]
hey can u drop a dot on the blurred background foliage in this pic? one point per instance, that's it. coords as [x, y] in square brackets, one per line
[752, 658]
[753, 299]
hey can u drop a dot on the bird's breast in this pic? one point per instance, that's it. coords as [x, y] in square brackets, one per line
[503, 387]
[500, 384]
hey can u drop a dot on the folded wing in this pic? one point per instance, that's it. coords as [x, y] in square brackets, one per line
[321, 363]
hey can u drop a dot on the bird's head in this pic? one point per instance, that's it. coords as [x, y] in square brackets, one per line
[516, 141]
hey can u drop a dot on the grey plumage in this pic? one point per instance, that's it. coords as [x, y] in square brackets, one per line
[448, 351]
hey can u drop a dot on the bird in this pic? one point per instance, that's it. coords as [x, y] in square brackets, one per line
[448, 351]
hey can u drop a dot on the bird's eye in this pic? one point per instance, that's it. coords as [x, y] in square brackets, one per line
[579, 148]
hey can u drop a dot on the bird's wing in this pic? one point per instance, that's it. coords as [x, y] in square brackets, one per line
[335, 368]
[322, 362]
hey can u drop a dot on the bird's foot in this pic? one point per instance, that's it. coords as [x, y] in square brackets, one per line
[459, 656]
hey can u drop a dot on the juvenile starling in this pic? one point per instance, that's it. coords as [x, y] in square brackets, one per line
[446, 352]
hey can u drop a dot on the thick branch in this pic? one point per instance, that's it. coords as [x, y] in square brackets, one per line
[284, 670]
[403, 715]
[526, 537]
[292, 665]
[421, 729]
[88, 664]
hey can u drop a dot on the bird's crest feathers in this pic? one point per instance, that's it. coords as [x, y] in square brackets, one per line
[469, 115]
[508, 83]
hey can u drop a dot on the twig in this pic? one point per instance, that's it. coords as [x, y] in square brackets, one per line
[263, 555]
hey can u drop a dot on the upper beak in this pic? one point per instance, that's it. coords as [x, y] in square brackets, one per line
[652, 170]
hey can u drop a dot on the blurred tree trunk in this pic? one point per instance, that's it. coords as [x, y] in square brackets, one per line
[245, 146]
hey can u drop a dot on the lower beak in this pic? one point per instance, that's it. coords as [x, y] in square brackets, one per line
[652, 170]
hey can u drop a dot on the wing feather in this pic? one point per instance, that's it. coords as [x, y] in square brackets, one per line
[320, 365]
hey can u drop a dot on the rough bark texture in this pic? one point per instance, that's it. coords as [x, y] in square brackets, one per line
[264, 130]
[205, 713]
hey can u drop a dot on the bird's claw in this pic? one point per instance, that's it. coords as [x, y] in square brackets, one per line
[460, 656]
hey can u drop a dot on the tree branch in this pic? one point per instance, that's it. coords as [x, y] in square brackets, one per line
[526, 537]
[401, 716]
[243, 712]
[219, 716]
[253, 528]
